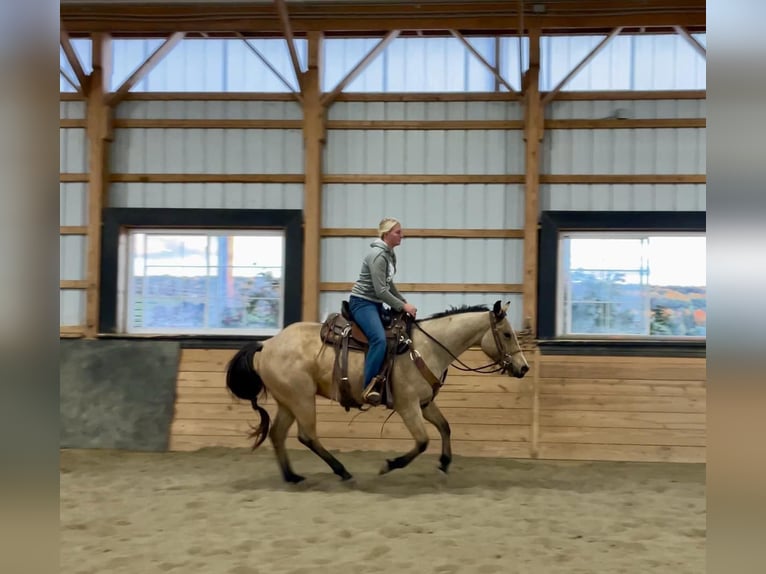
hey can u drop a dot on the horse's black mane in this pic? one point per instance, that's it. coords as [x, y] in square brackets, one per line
[457, 311]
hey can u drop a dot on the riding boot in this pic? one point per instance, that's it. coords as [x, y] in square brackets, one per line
[371, 395]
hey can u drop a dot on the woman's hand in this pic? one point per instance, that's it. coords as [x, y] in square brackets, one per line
[410, 309]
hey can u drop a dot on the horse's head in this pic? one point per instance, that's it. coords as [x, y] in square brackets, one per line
[501, 344]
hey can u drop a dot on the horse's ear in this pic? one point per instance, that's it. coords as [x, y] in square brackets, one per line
[506, 306]
[498, 308]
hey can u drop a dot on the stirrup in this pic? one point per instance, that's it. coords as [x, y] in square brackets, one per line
[370, 395]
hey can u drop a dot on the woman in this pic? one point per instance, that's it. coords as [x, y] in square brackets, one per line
[374, 287]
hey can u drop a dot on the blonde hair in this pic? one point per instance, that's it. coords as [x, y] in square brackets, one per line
[387, 224]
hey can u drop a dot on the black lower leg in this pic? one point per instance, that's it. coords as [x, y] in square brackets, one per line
[405, 459]
[444, 462]
[336, 466]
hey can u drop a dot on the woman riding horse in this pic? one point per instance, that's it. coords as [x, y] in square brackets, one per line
[374, 287]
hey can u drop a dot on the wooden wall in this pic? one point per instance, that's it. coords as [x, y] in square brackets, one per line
[567, 407]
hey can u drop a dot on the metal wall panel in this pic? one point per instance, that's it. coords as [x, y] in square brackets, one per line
[73, 204]
[625, 151]
[73, 150]
[623, 197]
[212, 109]
[425, 152]
[72, 110]
[430, 303]
[207, 195]
[71, 307]
[72, 256]
[430, 260]
[451, 206]
[431, 111]
[207, 151]
[622, 109]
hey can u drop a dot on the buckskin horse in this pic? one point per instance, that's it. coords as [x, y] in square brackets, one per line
[293, 368]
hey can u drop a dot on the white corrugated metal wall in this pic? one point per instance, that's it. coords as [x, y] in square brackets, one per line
[162, 150]
[73, 212]
[426, 206]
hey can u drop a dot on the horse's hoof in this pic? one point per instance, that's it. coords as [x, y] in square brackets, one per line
[294, 478]
[346, 476]
[386, 468]
[444, 469]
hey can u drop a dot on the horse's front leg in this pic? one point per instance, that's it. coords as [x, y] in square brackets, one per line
[413, 419]
[433, 415]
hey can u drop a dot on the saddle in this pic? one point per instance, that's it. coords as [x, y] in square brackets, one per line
[341, 332]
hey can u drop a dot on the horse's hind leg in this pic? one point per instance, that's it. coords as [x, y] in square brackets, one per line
[278, 434]
[433, 415]
[307, 435]
[413, 420]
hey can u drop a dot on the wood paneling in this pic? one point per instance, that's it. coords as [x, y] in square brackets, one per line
[590, 408]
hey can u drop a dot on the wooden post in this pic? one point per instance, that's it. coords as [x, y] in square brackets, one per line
[313, 143]
[534, 451]
[99, 120]
[533, 133]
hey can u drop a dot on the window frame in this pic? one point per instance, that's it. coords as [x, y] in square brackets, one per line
[552, 224]
[117, 220]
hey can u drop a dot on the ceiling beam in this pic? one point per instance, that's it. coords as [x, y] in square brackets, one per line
[72, 82]
[74, 62]
[287, 31]
[684, 33]
[585, 61]
[266, 63]
[330, 97]
[379, 17]
[150, 63]
[495, 72]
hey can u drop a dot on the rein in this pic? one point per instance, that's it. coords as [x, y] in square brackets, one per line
[500, 364]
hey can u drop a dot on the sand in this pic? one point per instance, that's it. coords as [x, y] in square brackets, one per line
[227, 511]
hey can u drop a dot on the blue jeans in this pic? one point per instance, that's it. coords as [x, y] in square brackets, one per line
[366, 314]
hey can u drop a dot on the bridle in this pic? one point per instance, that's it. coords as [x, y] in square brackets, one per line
[503, 363]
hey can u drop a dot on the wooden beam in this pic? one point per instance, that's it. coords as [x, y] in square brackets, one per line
[495, 72]
[456, 233]
[329, 98]
[699, 48]
[376, 17]
[243, 124]
[421, 178]
[99, 132]
[585, 61]
[207, 178]
[150, 63]
[73, 230]
[74, 61]
[274, 71]
[314, 138]
[70, 81]
[436, 287]
[533, 134]
[76, 284]
[74, 178]
[284, 20]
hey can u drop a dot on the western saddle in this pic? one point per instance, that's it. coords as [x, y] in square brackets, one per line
[341, 332]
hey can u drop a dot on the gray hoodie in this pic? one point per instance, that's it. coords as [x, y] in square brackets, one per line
[376, 279]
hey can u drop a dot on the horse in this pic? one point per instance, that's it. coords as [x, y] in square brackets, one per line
[293, 367]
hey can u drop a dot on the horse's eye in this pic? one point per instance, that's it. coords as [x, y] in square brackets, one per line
[507, 335]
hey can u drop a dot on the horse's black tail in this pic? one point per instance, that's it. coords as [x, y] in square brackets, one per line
[245, 383]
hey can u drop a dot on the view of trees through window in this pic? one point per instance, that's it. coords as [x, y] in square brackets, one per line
[200, 282]
[629, 284]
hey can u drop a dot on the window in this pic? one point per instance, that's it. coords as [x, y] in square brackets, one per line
[626, 283]
[202, 281]
[200, 272]
[622, 277]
